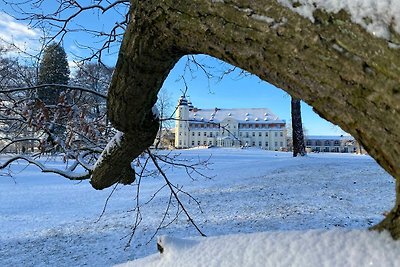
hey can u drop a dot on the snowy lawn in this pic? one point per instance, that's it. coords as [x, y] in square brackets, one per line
[47, 220]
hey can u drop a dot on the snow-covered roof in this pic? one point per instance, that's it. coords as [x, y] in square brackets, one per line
[241, 115]
[329, 137]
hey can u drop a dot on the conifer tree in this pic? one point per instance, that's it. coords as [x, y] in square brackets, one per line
[53, 69]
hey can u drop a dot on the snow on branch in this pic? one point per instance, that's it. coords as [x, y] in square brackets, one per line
[67, 173]
[377, 16]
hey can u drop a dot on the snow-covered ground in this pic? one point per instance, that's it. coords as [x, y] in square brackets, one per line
[47, 220]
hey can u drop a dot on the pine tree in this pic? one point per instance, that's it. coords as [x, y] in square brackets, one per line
[53, 69]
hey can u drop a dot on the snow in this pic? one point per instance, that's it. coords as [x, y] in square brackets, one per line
[240, 115]
[265, 197]
[295, 248]
[114, 142]
[330, 137]
[262, 18]
[376, 16]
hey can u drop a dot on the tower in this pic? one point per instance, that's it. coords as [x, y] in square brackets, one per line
[182, 124]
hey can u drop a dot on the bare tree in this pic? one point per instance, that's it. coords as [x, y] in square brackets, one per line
[325, 62]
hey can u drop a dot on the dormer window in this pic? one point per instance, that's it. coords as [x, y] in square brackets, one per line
[256, 119]
[246, 119]
[229, 114]
[247, 114]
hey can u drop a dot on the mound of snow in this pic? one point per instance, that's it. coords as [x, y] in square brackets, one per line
[293, 248]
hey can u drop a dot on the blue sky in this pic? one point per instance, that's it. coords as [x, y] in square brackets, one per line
[239, 91]
[233, 91]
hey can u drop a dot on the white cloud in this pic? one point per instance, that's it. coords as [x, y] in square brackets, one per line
[13, 31]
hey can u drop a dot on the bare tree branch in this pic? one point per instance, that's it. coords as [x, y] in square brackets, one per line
[67, 174]
[70, 87]
[173, 192]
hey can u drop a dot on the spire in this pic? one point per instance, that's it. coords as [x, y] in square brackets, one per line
[190, 105]
[182, 101]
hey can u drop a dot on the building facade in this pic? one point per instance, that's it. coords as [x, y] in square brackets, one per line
[339, 144]
[252, 127]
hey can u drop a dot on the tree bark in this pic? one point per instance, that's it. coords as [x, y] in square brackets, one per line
[350, 77]
[297, 128]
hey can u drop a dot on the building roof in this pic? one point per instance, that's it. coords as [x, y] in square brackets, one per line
[329, 137]
[243, 115]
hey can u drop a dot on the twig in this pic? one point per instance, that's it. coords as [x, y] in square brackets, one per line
[171, 187]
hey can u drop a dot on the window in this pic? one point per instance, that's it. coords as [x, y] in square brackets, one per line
[247, 134]
[308, 143]
[217, 133]
[205, 143]
[192, 133]
[254, 133]
[211, 134]
[336, 143]
[192, 143]
[266, 134]
[259, 134]
[266, 144]
[318, 143]
[281, 133]
[276, 144]
[276, 134]
[240, 134]
[180, 142]
[198, 143]
[205, 133]
[327, 143]
[210, 143]
[199, 134]
[281, 144]
[259, 143]
[254, 143]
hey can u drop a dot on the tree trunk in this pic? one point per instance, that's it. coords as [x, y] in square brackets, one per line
[350, 77]
[297, 129]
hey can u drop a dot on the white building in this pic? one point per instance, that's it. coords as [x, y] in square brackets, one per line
[255, 127]
[342, 144]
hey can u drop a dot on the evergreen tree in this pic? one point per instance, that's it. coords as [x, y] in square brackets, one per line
[53, 69]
